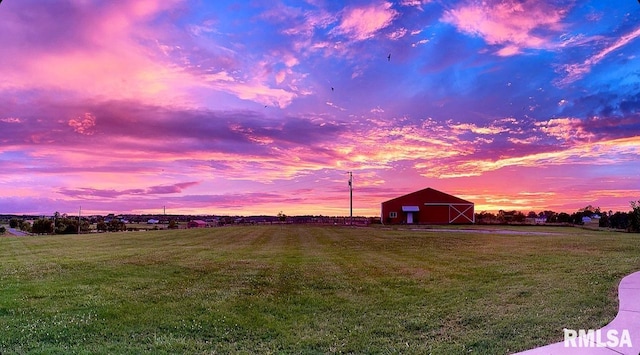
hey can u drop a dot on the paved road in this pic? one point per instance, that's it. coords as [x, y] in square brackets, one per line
[16, 232]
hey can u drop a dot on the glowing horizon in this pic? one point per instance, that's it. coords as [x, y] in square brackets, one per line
[245, 109]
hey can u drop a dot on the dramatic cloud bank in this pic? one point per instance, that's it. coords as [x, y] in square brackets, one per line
[248, 108]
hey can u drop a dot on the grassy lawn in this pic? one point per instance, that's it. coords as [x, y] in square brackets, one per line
[308, 289]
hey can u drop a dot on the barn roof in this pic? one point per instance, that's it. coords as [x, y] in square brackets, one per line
[432, 196]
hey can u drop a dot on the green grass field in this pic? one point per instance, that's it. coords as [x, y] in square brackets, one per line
[308, 289]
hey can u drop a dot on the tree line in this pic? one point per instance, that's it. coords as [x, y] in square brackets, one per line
[629, 221]
[63, 224]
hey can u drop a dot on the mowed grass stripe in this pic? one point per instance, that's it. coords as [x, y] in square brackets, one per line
[307, 289]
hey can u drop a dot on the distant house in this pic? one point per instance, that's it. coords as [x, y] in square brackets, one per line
[536, 220]
[153, 221]
[196, 223]
[594, 219]
[427, 206]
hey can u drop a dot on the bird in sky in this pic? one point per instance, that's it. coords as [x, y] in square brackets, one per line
[332, 86]
[389, 56]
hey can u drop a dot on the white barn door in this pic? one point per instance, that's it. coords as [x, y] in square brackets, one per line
[410, 210]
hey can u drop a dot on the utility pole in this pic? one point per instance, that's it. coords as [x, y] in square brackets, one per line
[350, 197]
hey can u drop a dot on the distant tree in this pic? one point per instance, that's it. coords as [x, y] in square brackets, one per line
[14, 223]
[282, 217]
[501, 216]
[563, 217]
[67, 227]
[519, 217]
[173, 224]
[634, 216]
[85, 226]
[42, 226]
[25, 226]
[3, 230]
[101, 226]
[485, 218]
[116, 225]
[619, 220]
[532, 214]
[576, 218]
[510, 216]
[604, 221]
[551, 216]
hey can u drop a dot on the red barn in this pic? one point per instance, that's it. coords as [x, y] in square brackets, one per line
[427, 206]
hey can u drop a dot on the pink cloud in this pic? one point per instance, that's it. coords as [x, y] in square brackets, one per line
[301, 23]
[508, 51]
[397, 34]
[11, 120]
[361, 23]
[511, 24]
[119, 51]
[415, 3]
[103, 54]
[84, 124]
[90, 193]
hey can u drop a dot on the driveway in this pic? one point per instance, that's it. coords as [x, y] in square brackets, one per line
[16, 232]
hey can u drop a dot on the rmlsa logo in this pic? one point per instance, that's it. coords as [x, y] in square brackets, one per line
[596, 338]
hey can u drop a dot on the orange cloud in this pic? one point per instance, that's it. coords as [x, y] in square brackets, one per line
[599, 153]
[565, 129]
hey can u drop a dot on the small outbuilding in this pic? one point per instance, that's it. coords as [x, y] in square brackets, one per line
[197, 223]
[427, 206]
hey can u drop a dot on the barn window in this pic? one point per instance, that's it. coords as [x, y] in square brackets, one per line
[393, 214]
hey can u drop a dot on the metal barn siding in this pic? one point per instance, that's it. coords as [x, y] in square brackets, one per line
[427, 206]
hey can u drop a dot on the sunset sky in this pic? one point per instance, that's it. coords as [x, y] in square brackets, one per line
[257, 107]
